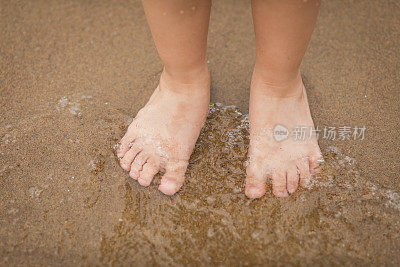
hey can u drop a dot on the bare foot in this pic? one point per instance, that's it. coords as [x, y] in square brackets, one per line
[287, 162]
[164, 132]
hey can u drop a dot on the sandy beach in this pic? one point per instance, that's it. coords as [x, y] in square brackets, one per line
[73, 74]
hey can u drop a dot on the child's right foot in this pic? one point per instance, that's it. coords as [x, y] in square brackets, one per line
[164, 132]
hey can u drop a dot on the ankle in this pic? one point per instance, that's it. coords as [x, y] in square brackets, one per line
[193, 83]
[276, 84]
[191, 75]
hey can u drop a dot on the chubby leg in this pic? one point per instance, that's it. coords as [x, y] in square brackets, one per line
[278, 99]
[179, 29]
[164, 132]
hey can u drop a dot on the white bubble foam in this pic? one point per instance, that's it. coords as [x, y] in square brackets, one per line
[35, 192]
[72, 106]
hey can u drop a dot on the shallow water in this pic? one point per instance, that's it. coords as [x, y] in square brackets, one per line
[342, 218]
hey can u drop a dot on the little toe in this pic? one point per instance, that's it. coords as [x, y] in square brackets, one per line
[124, 145]
[137, 164]
[173, 177]
[129, 156]
[314, 163]
[304, 171]
[255, 191]
[150, 168]
[292, 177]
[255, 183]
[279, 184]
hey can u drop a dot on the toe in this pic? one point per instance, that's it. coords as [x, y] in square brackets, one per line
[137, 165]
[314, 163]
[173, 177]
[255, 182]
[304, 171]
[253, 191]
[150, 168]
[129, 156]
[279, 183]
[292, 179]
[124, 145]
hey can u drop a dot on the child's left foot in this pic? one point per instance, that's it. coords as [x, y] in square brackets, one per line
[271, 154]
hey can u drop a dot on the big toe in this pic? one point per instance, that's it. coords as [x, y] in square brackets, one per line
[169, 186]
[173, 178]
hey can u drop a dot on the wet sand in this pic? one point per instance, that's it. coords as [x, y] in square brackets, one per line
[72, 76]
